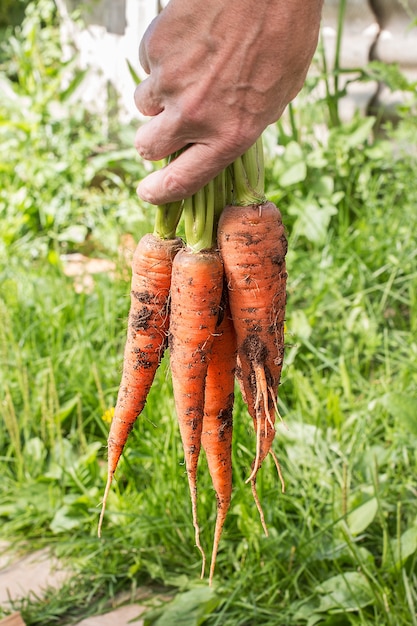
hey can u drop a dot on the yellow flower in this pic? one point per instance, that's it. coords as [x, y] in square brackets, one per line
[108, 415]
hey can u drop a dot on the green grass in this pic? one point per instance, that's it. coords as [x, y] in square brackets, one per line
[342, 548]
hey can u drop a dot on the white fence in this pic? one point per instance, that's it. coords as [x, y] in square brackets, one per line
[108, 39]
[113, 29]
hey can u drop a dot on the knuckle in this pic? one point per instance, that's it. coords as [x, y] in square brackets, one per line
[142, 149]
[145, 100]
[174, 185]
[138, 99]
[192, 113]
[235, 141]
[149, 45]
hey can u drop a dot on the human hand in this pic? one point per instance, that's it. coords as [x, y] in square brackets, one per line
[220, 71]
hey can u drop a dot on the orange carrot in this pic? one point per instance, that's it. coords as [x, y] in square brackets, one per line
[196, 290]
[146, 340]
[216, 436]
[253, 247]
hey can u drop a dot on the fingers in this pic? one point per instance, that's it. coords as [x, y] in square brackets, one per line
[143, 57]
[161, 136]
[185, 175]
[143, 48]
[146, 101]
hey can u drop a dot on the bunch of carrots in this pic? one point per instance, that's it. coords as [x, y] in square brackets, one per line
[217, 301]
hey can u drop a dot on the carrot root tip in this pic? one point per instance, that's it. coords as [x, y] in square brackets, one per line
[278, 466]
[259, 507]
[193, 493]
[258, 451]
[274, 400]
[103, 504]
[262, 393]
[203, 554]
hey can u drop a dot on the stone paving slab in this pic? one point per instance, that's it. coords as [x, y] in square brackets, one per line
[122, 616]
[12, 620]
[29, 575]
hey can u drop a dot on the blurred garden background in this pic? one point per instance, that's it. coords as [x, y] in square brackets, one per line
[342, 166]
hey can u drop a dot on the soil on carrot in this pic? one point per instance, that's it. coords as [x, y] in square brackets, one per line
[140, 319]
[142, 296]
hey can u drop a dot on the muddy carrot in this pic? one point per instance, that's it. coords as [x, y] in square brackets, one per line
[146, 340]
[253, 245]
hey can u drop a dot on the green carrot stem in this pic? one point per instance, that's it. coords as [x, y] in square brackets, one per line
[168, 215]
[229, 185]
[220, 194]
[166, 219]
[241, 183]
[210, 213]
[248, 176]
[199, 218]
[253, 162]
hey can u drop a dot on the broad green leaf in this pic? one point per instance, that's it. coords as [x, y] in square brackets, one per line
[293, 152]
[66, 409]
[351, 135]
[344, 592]
[323, 186]
[315, 618]
[405, 547]
[63, 521]
[360, 134]
[403, 408]
[293, 174]
[76, 233]
[317, 159]
[337, 197]
[109, 159]
[55, 471]
[313, 220]
[360, 518]
[305, 611]
[90, 454]
[35, 449]
[186, 609]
